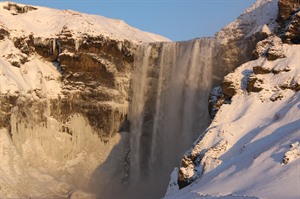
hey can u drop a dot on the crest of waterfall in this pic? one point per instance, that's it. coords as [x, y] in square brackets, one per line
[168, 110]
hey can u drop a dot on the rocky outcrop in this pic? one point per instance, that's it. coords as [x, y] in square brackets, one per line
[237, 45]
[292, 154]
[216, 99]
[238, 40]
[3, 32]
[18, 9]
[94, 72]
[287, 8]
[289, 20]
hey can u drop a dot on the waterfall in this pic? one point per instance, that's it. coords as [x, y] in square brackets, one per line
[168, 110]
[136, 116]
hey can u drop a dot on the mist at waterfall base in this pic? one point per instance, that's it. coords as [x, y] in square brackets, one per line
[168, 110]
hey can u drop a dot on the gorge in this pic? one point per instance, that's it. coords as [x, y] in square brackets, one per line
[104, 110]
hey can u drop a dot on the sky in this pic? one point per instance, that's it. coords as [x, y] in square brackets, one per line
[177, 20]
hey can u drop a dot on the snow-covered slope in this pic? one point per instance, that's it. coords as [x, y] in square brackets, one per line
[251, 149]
[238, 39]
[259, 17]
[46, 22]
[35, 74]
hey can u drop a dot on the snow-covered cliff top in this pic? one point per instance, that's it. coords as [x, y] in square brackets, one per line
[46, 22]
[35, 74]
[24, 72]
[262, 14]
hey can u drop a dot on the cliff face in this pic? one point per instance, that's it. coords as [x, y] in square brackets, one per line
[241, 128]
[64, 98]
[238, 39]
[93, 79]
[94, 70]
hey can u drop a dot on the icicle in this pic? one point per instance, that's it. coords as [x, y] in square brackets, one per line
[120, 45]
[41, 41]
[53, 45]
[78, 43]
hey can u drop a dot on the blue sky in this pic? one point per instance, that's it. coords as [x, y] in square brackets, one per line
[175, 19]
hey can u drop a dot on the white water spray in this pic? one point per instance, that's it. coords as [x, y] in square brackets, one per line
[168, 109]
[136, 116]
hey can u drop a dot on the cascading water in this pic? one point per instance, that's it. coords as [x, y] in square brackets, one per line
[138, 108]
[168, 108]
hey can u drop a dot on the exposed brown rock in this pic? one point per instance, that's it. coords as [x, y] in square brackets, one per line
[17, 9]
[289, 20]
[261, 70]
[291, 83]
[228, 87]
[254, 84]
[3, 33]
[47, 48]
[16, 59]
[271, 48]
[185, 178]
[95, 72]
[276, 96]
[286, 8]
[279, 70]
[24, 44]
[216, 100]
[292, 34]
[275, 53]
[7, 103]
